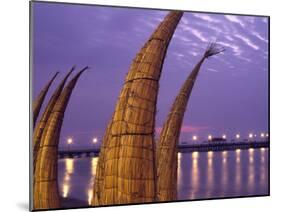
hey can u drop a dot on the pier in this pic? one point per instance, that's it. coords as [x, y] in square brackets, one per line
[200, 147]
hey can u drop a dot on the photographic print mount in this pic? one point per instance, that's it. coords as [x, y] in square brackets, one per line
[154, 137]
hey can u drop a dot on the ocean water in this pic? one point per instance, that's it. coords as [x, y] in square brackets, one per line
[201, 175]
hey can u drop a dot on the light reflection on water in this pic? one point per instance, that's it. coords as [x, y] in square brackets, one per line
[224, 173]
[195, 176]
[69, 167]
[210, 174]
[200, 175]
[94, 162]
[238, 171]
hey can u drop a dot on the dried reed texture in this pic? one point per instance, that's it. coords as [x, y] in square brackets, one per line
[45, 185]
[38, 131]
[166, 154]
[37, 103]
[126, 169]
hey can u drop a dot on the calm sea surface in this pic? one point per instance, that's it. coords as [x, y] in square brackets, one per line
[200, 175]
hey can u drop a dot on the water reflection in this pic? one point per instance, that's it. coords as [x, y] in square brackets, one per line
[238, 171]
[262, 168]
[251, 155]
[94, 162]
[179, 170]
[200, 175]
[238, 152]
[194, 175]
[210, 174]
[251, 170]
[224, 173]
[69, 167]
[262, 155]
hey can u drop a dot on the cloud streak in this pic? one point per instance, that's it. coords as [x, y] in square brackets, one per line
[247, 41]
[186, 129]
[235, 19]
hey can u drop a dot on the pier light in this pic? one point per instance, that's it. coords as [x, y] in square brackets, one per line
[194, 138]
[224, 136]
[251, 135]
[262, 135]
[266, 135]
[237, 136]
[69, 141]
[209, 137]
[95, 140]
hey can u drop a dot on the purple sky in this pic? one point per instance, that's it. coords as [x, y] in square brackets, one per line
[231, 91]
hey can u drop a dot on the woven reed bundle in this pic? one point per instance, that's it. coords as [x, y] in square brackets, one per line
[126, 169]
[38, 131]
[166, 154]
[45, 185]
[37, 103]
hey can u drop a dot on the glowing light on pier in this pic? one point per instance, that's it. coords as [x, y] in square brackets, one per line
[69, 141]
[237, 136]
[194, 138]
[224, 136]
[262, 135]
[266, 135]
[95, 140]
[251, 135]
[209, 137]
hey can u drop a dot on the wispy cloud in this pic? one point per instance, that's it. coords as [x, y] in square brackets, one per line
[245, 59]
[212, 70]
[250, 19]
[182, 38]
[247, 41]
[235, 19]
[228, 37]
[195, 32]
[206, 17]
[190, 128]
[186, 129]
[215, 29]
[194, 53]
[260, 37]
[236, 49]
